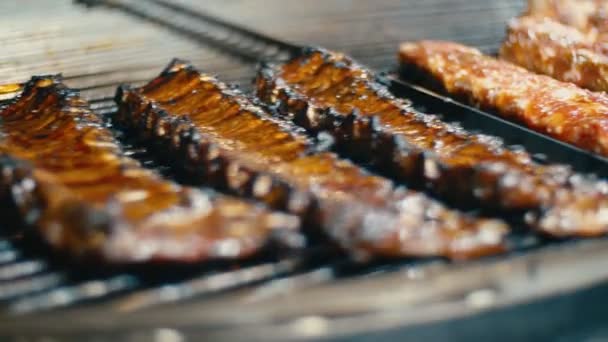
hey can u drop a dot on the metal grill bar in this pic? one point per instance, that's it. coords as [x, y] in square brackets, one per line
[69, 295]
[237, 42]
[99, 84]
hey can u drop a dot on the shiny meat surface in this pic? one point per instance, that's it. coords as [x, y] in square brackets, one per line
[226, 140]
[559, 109]
[547, 47]
[589, 16]
[66, 175]
[326, 91]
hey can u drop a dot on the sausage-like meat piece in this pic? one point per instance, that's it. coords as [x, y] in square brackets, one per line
[547, 47]
[327, 91]
[227, 140]
[562, 110]
[589, 16]
[66, 175]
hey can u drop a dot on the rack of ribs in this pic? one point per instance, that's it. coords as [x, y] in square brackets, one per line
[326, 91]
[559, 109]
[589, 16]
[547, 47]
[64, 174]
[222, 138]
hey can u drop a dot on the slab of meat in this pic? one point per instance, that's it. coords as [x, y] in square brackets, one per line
[562, 110]
[547, 47]
[325, 91]
[63, 172]
[589, 16]
[227, 140]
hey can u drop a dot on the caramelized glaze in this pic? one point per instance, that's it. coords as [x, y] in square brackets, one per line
[548, 47]
[589, 16]
[559, 109]
[68, 177]
[229, 141]
[322, 90]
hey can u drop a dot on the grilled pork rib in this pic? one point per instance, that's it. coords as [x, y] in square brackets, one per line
[547, 47]
[562, 110]
[227, 140]
[589, 16]
[66, 175]
[325, 91]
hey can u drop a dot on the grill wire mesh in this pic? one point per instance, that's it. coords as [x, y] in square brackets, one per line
[130, 42]
[95, 54]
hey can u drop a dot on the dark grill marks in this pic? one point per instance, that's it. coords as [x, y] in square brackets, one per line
[326, 91]
[66, 175]
[227, 140]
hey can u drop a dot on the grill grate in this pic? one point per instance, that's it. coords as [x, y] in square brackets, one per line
[33, 283]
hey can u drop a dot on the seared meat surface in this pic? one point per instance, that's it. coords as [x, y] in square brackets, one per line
[562, 110]
[589, 16]
[547, 47]
[325, 91]
[227, 140]
[66, 175]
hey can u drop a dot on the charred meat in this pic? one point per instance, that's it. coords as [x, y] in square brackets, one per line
[229, 141]
[326, 91]
[65, 174]
[547, 47]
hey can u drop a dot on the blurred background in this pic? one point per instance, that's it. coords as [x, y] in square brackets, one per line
[56, 36]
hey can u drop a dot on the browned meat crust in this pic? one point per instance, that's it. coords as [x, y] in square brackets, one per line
[66, 175]
[321, 90]
[559, 109]
[590, 16]
[562, 52]
[232, 143]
